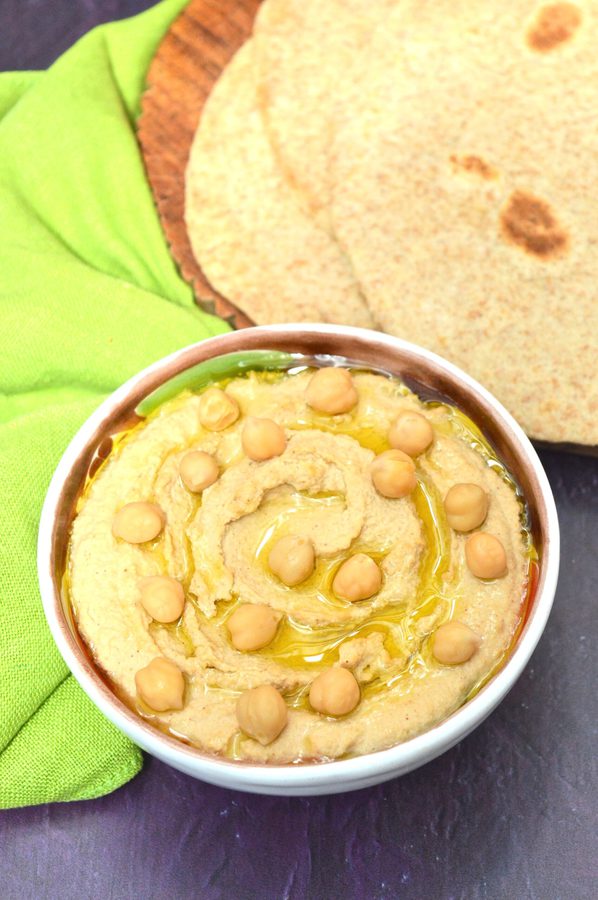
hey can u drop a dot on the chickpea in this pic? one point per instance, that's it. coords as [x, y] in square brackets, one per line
[466, 506]
[198, 470]
[485, 555]
[454, 643]
[262, 439]
[252, 626]
[292, 559]
[331, 390]
[161, 685]
[138, 522]
[262, 713]
[335, 692]
[393, 474]
[217, 410]
[411, 432]
[163, 598]
[358, 578]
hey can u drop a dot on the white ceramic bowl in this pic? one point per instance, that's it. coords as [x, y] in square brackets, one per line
[420, 369]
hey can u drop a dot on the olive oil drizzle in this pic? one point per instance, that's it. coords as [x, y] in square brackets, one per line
[306, 648]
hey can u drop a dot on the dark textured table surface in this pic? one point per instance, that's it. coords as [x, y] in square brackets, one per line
[508, 813]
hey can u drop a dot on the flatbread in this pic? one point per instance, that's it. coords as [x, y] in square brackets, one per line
[248, 232]
[304, 55]
[464, 192]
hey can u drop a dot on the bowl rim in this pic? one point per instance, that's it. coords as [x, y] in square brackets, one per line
[373, 766]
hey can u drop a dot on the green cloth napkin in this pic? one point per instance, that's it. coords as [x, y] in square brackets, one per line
[88, 296]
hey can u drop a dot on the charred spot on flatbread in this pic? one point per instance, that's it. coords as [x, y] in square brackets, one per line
[473, 165]
[554, 25]
[529, 223]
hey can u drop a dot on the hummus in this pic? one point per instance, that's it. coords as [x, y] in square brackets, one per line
[217, 542]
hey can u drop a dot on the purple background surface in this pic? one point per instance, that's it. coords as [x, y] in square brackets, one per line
[508, 813]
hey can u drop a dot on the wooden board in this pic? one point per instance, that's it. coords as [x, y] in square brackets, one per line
[193, 52]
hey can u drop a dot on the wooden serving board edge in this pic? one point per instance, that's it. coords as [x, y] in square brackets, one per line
[188, 61]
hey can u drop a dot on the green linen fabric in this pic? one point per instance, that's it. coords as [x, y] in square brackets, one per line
[88, 296]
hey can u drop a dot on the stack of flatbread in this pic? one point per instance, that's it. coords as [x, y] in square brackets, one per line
[429, 169]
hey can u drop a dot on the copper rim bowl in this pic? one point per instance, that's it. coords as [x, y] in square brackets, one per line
[423, 371]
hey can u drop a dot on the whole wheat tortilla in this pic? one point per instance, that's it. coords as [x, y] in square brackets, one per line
[304, 54]
[245, 223]
[465, 193]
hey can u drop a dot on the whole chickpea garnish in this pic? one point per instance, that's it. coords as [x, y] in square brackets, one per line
[162, 597]
[331, 390]
[217, 409]
[198, 470]
[262, 439]
[358, 578]
[252, 626]
[411, 432]
[292, 559]
[485, 555]
[262, 713]
[466, 506]
[393, 474]
[138, 522]
[161, 685]
[335, 692]
[454, 643]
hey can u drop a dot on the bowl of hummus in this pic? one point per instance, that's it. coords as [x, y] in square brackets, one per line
[298, 559]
